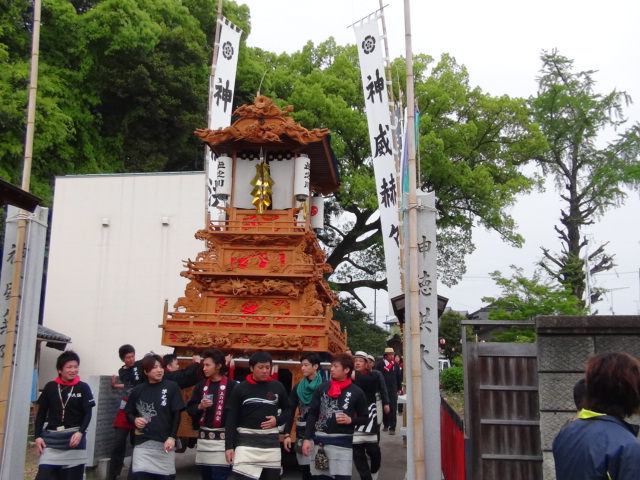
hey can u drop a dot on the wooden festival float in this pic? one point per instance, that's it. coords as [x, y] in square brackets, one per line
[260, 282]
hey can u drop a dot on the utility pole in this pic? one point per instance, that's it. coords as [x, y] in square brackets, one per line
[587, 271]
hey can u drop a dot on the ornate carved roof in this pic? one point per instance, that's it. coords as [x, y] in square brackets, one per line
[265, 125]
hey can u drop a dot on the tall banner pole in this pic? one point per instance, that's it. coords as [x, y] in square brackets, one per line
[208, 191]
[395, 120]
[412, 269]
[10, 338]
[221, 87]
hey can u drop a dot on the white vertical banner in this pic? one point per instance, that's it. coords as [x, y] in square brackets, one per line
[428, 321]
[224, 82]
[221, 88]
[6, 275]
[372, 69]
[12, 465]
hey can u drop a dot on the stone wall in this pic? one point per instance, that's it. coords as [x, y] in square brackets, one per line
[100, 435]
[564, 346]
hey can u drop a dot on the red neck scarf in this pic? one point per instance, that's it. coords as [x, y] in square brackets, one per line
[388, 365]
[336, 387]
[59, 381]
[219, 406]
[252, 381]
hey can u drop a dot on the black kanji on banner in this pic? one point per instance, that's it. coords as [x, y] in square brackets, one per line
[375, 87]
[388, 192]
[223, 93]
[395, 233]
[382, 141]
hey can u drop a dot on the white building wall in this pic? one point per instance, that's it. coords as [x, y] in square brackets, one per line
[106, 284]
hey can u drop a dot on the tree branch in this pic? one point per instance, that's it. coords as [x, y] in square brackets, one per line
[350, 287]
[359, 267]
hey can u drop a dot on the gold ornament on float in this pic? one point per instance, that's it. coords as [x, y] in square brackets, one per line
[262, 184]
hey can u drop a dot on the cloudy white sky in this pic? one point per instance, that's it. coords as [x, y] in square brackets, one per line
[499, 42]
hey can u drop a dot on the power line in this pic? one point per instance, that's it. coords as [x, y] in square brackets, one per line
[487, 277]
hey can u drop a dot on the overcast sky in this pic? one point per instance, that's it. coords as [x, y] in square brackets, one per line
[499, 42]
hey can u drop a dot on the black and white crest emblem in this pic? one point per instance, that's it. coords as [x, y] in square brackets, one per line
[227, 50]
[368, 44]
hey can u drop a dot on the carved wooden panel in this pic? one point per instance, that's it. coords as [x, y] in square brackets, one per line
[260, 281]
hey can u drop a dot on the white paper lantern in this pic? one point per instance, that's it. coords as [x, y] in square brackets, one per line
[317, 213]
[224, 177]
[302, 178]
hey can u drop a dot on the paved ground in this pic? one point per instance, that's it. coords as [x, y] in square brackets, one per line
[394, 462]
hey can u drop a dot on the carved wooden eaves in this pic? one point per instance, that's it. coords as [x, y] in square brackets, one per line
[263, 122]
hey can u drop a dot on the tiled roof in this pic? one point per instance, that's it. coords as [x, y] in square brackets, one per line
[49, 335]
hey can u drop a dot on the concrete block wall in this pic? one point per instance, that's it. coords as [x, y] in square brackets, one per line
[565, 343]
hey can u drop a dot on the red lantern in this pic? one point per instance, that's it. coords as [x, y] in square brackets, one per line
[442, 341]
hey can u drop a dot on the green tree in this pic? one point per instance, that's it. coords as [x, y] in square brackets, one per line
[590, 178]
[148, 61]
[362, 334]
[516, 335]
[472, 148]
[124, 83]
[452, 379]
[524, 298]
[450, 330]
[54, 142]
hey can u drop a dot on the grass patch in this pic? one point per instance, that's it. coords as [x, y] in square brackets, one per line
[455, 400]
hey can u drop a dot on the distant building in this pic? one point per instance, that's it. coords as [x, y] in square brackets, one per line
[485, 332]
[116, 253]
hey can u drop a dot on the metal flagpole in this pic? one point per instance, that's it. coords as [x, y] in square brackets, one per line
[412, 269]
[212, 76]
[7, 366]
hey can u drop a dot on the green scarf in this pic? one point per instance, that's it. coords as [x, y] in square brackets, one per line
[306, 388]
